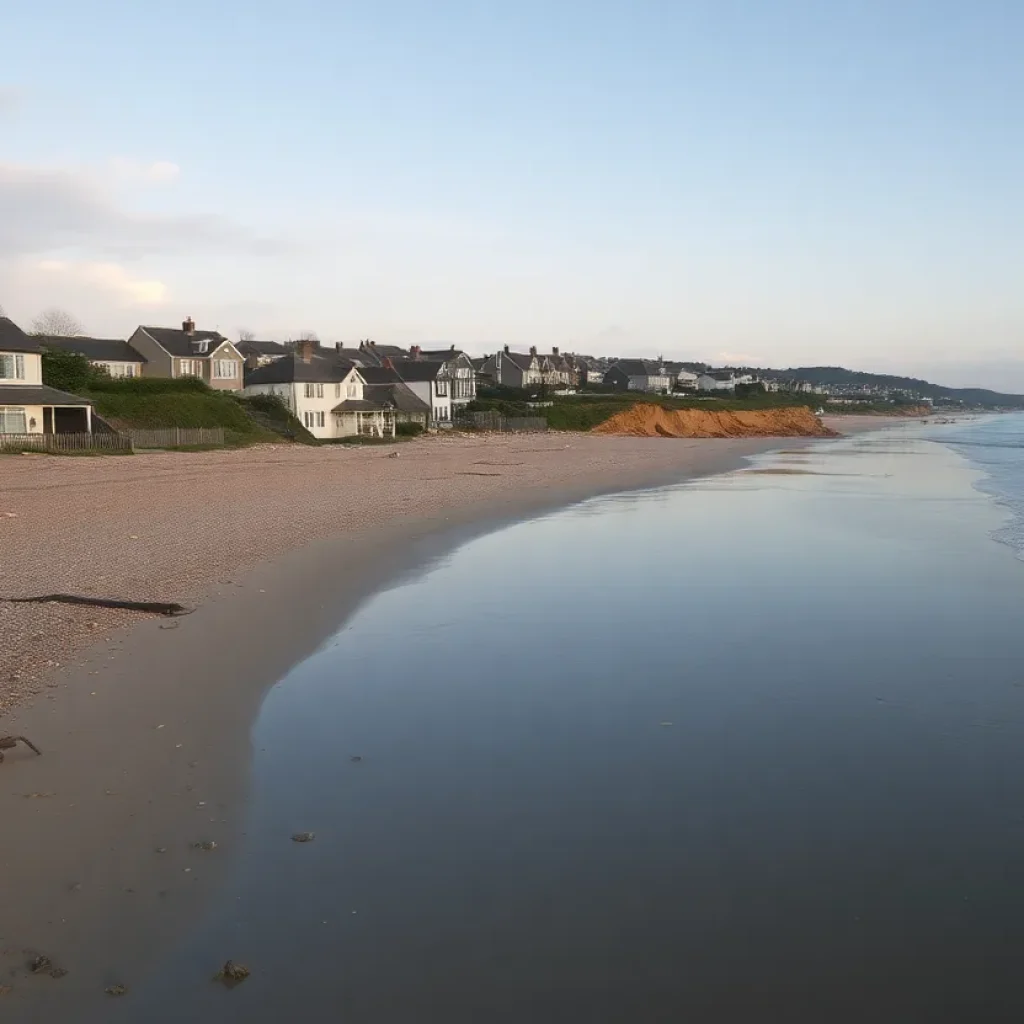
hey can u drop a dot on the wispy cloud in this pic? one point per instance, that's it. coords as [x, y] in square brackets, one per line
[110, 278]
[156, 172]
[45, 210]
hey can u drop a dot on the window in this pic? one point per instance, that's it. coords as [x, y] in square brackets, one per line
[190, 368]
[320, 417]
[120, 369]
[313, 419]
[441, 388]
[12, 420]
[314, 391]
[352, 391]
[225, 369]
[12, 366]
[337, 391]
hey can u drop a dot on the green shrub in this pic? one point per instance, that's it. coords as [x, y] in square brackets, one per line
[71, 371]
[409, 429]
[154, 386]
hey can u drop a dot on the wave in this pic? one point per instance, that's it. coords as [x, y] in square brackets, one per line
[996, 447]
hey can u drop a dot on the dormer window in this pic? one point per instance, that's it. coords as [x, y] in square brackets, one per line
[202, 347]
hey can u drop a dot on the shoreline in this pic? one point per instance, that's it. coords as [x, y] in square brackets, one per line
[127, 773]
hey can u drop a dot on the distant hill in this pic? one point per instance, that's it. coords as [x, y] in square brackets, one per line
[838, 377]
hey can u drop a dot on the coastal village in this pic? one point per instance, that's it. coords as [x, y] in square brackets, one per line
[341, 390]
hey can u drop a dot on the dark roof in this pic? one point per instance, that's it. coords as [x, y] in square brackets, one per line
[14, 339]
[180, 344]
[358, 405]
[110, 350]
[521, 359]
[403, 398]
[639, 368]
[261, 348]
[444, 354]
[418, 369]
[38, 394]
[720, 374]
[292, 368]
[379, 375]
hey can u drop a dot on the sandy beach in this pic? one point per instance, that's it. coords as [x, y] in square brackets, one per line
[145, 721]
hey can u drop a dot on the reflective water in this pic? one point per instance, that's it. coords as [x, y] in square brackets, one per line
[747, 749]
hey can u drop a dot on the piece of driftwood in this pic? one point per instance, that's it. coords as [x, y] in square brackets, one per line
[153, 607]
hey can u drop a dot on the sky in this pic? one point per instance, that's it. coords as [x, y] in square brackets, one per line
[762, 182]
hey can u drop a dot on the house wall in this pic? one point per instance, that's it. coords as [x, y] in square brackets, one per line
[158, 362]
[33, 365]
[323, 399]
[440, 405]
[32, 412]
[463, 383]
[226, 353]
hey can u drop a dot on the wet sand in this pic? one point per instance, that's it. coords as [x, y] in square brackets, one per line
[146, 734]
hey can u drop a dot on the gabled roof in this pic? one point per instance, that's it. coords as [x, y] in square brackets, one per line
[379, 375]
[14, 339]
[109, 350]
[418, 369]
[292, 368]
[521, 359]
[261, 348]
[182, 345]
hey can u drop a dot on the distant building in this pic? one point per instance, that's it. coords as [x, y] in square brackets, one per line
[717, 380]
[259, 353]
[639, 375]
[514, 369]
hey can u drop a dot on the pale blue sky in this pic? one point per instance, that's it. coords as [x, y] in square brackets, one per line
[772, 181]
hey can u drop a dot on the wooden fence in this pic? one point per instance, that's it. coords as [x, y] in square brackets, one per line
[174, 437]
[66, 442]
[493, 420]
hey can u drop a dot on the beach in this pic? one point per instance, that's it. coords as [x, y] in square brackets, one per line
[557, 776]
[145, 722]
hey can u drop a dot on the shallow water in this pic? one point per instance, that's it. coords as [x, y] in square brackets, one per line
[751, 748]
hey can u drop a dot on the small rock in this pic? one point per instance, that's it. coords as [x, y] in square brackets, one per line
[232, 974]
[161, 849]
[303, 837]
[116, 990]
[356, 757]
[206, 844]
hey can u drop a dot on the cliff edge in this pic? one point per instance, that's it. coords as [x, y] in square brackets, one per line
[648, 420]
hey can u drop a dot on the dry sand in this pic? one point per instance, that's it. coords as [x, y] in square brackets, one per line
[145, 731]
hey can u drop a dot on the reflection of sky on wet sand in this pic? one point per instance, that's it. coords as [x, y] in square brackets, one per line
[839, 655]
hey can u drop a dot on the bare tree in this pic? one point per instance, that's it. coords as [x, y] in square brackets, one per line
[57, 323]
[246, 335]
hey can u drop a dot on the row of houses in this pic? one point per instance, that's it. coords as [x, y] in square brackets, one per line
[572, 372]
[334, 391]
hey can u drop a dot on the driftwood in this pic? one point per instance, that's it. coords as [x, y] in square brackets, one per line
[153, 607]
[10, 742]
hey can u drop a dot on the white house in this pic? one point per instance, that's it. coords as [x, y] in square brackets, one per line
[325, 393]
[118, 358]
[27, 405]
[686, 380]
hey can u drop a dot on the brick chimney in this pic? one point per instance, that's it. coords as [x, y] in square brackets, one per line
[306, 347]
[387, 364]
[533, 350]
[554, 350]
[414, 352]
[506, 350]
[252, 361]
[188, 325]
